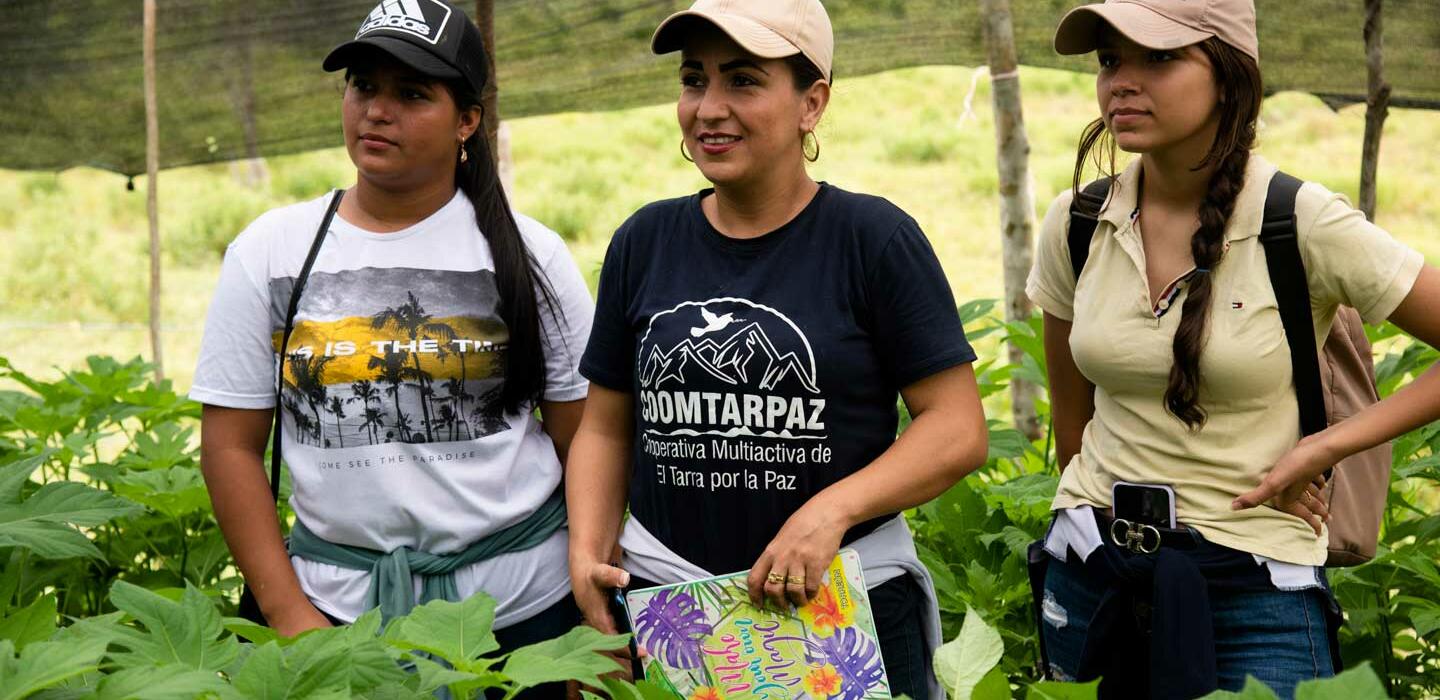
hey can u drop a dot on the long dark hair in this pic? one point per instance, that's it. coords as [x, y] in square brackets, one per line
[517, 274]
[1241, 92]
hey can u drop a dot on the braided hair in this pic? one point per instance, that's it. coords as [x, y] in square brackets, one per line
[1241, 92]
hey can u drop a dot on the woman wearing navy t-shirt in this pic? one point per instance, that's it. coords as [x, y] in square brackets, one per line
[748, 347]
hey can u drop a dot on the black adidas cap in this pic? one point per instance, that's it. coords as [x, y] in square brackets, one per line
[433, 37]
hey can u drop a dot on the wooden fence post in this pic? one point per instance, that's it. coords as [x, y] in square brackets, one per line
[152, 172]
[1017, 204]
[1377, 106]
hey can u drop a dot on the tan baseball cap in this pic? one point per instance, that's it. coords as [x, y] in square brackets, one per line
[1162, 24]
[766, 28]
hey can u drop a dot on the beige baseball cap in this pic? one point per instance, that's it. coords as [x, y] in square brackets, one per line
[1162, 24]
[766, 28]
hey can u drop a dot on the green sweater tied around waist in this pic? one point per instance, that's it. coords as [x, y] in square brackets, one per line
[392, 574]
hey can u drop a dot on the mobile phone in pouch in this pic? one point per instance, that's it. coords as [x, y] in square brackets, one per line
[1147, 504]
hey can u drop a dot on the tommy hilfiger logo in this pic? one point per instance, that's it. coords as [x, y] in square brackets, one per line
[1237, 304]
[423, 18]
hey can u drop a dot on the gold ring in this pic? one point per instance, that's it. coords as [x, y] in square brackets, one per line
[773, 577]
[795, 579]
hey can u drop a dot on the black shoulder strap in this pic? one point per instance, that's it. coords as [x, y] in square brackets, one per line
[285, 338]
[1084, 216]
[1279, 235]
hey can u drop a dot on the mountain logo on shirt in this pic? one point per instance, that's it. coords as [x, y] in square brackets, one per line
[728, 367]
[733, 350]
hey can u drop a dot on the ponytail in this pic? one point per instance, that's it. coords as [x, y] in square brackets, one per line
[518, 276]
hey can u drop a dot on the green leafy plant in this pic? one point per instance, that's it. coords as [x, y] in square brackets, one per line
[104, 520]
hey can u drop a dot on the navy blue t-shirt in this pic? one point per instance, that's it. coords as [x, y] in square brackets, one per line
[764, 369]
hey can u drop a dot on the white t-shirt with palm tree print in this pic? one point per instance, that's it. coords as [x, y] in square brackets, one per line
[392, 427]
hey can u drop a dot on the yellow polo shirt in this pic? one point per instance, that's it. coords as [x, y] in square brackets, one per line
[1123, 345]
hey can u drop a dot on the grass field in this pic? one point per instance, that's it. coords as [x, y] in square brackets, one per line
[73, 269]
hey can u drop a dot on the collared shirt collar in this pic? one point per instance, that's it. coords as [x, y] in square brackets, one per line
[1244, 221]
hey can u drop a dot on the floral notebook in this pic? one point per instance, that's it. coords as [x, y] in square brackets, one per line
[707, 642]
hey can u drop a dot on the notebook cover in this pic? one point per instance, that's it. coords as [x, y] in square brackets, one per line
[707, 642]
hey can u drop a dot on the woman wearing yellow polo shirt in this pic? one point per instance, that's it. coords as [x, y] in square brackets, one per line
[1169, 369]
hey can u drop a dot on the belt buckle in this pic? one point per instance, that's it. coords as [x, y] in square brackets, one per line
[1136, 537]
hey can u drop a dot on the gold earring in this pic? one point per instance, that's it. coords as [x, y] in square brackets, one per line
[813, 139]
[684, 153]
[464, 156]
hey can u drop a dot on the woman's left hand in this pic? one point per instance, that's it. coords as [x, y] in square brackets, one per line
[792, 567]
[1295, 483]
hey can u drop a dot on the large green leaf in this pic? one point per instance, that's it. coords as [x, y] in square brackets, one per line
[960, 511]
[186, 632]
[1050, 690]
[573, 656]
[1015, 539]
[457, 632]
[323, 662]
[393, 691]
[168, 682]
[618, 689]
[14, 473]
[1253, 690]
[433, 675]
[1425, 621]
[994, 686]
[962, 662]
[34, 623]
[1359, 683]
[44, 523]
[175, 491]
[165, 446]
[45, 664]
[351, 657]
[654, 691]
[249, 631]
[263, 676]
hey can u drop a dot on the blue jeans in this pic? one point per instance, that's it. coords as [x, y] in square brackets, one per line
[1280, 637]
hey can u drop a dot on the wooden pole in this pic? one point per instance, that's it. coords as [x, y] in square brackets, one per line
[152, 172]
[489, 97]
[1377, 106]
[1017, 204]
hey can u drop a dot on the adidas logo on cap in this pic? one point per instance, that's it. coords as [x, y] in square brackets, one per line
[423, 18]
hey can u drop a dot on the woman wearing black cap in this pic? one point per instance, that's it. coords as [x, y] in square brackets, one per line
[749, 345]
[430, 324]
[1173, 387]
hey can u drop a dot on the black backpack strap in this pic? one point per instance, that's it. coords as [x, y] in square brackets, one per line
[1279, 235]
[285, 338]
[1084, 216]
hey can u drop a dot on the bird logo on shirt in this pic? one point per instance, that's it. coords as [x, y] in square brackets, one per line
[713, 323]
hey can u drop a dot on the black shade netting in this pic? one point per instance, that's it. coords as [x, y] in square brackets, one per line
[241, 79]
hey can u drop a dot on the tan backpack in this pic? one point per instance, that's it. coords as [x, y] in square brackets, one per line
[1330, 384]
[1360, 484]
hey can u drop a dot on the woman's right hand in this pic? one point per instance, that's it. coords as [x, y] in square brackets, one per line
[592, 580]
[299, 618]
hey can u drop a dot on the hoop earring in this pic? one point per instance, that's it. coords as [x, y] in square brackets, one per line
[684, 153]
[813, 139]
[464, 156]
